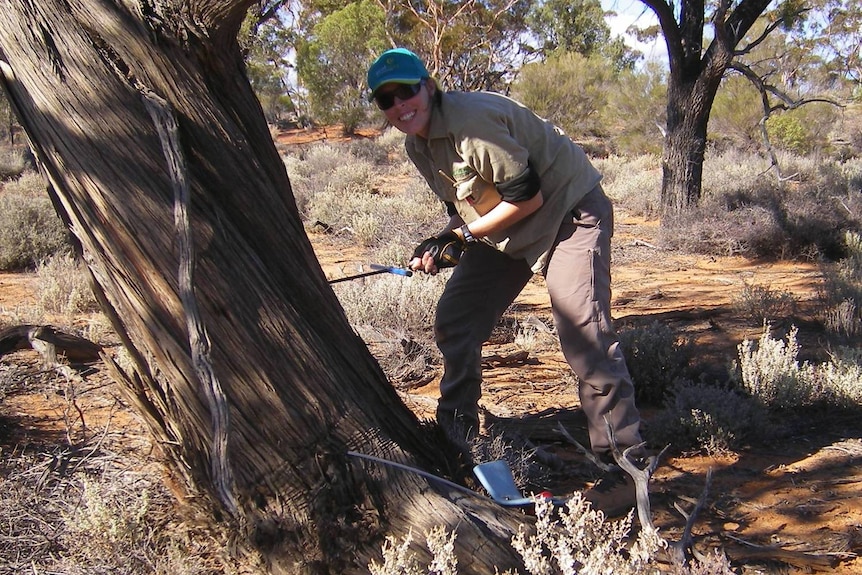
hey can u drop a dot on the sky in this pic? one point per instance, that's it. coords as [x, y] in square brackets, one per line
[634, 12]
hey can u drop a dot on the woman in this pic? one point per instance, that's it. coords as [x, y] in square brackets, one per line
[522, 199]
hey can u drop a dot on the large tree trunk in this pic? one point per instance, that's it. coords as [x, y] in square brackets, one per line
[695, 75]
[246, 369]
[688, 107]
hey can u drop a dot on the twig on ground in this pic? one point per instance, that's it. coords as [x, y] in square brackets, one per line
[583, 450]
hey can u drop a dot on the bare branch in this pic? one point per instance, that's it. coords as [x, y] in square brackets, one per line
[641, 476]
[683, 550]
[591, 457]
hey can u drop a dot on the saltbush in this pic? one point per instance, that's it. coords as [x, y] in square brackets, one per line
[656, 357]
[394, 315]
[709, 418]
[12, 163]
[760, 302]
[770, 372]
[634, 183]
[30, 230]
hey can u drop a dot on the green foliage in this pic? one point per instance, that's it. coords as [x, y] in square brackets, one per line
[30, 230]
[787, 132]
[707, 418]
[656, 358]
[736, 114]
[332, 62]
[465, 45]
[265, 49]
[568, 89]
[578, 27]
[636, 105]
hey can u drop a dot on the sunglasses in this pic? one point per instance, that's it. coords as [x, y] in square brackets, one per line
[403, 92]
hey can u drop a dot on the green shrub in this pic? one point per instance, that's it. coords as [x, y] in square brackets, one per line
[567, 89]
[734, 119]
[656, 358]
[763, 303]
[636, 105]
[30, 231]
[787, 132]
[707, 418]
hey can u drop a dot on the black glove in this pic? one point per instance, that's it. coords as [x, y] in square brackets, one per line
[446, 249]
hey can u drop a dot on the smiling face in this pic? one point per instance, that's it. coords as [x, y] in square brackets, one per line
[412, 114]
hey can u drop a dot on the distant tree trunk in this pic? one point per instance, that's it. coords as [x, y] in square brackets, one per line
[688, 108]
[695, 75]
[245, 367]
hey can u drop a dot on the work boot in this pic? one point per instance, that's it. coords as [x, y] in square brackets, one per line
[614, 493]
[458, 427]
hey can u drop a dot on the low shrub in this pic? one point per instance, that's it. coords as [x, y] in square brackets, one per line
[656, 357]
[64, 286]
[633, 182]
[707, 418]
[566, 540]
[12, 163]
[770, 373]
[759, 303]
[30, 231]
[394, 316]
[746, 210]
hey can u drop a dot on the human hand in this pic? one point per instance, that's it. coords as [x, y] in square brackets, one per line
[437, 252]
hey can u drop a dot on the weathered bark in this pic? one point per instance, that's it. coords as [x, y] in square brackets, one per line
[695, 75]
[246, 369]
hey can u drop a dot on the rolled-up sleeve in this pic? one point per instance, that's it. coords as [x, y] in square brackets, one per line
[499, 158]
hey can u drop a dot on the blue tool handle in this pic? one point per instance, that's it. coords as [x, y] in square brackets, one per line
[391, 269]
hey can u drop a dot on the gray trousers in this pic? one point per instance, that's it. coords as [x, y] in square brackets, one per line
[484, 285]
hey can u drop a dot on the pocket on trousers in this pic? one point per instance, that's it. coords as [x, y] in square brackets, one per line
[594, 209]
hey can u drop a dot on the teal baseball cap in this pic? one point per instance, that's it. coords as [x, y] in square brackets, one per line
[398, 65]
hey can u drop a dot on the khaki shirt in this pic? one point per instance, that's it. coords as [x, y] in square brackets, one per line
[478, 140]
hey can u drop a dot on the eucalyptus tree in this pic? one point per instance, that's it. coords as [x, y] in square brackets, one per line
[704, 40]
[472, 45]
[578, 26]
[332, 59]
[267, 43]
[242, 361]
